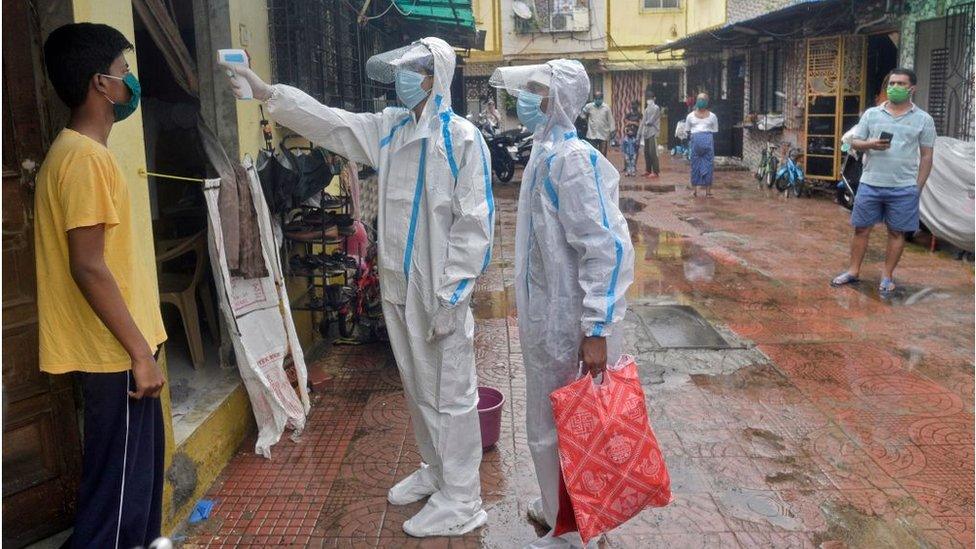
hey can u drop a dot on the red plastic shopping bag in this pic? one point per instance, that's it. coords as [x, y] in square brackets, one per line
[612, 466]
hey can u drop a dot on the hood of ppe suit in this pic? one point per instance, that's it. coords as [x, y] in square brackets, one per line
[567, 95]
[444, 61]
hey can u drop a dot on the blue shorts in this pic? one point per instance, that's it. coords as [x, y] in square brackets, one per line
[896, 206]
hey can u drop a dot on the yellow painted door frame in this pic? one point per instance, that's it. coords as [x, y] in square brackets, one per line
[835, 87]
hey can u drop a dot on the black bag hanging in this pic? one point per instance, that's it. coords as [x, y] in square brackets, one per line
[314, 173]
[278, 181]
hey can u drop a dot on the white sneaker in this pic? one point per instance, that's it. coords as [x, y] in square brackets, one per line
[537, 512]
[443, 517]
[418, 485]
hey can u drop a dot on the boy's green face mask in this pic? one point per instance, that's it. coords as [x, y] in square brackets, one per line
[123, 110]
[898, 94]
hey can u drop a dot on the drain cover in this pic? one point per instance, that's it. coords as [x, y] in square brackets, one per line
[680, 327]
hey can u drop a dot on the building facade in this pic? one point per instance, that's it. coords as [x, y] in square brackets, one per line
[612, 39]
[800, 74]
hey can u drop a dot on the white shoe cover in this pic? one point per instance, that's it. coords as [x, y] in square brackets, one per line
[443, 517]
[537, 513]
[418, 485]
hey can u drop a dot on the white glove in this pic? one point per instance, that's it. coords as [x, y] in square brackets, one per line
[260, 89]
[443, 324]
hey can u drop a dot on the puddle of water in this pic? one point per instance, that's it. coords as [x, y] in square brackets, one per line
[903, 296]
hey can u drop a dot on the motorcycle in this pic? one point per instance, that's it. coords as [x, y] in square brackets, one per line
[520, 146]
[502, 159]
[850, 177]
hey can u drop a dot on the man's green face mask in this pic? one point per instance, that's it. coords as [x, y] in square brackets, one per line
[898, 94]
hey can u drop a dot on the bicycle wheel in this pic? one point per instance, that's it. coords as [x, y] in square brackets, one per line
[782, 183]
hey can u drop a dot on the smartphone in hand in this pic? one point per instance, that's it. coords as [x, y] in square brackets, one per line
[886, 136]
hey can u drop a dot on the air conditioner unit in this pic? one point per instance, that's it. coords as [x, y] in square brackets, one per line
[577, 20]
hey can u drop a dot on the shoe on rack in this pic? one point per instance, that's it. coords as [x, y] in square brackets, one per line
[330, 202]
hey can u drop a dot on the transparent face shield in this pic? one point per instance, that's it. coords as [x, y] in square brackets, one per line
[416, 57]
[531, 78]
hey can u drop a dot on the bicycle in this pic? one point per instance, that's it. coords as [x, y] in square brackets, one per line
[789, 177]
[768, 165]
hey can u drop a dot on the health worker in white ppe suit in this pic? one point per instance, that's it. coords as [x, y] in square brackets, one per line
[436, 222]
[573, 260]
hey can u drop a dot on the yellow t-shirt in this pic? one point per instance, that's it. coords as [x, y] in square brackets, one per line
[80, 185]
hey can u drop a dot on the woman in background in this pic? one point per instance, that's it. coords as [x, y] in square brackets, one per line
[701, 124]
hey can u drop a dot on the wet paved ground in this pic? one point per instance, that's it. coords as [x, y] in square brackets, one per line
[832, 419]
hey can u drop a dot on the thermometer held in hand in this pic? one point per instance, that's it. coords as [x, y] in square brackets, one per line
[237, 57]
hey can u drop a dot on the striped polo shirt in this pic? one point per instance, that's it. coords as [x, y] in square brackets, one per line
[897, 166]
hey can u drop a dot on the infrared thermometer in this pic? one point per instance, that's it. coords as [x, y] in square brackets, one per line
[237, 57]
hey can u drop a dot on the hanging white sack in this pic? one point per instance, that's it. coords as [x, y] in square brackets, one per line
[258, 315]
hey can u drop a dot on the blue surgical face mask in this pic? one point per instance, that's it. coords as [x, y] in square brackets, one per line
[529, 110]
[124, 110]
[408, 88]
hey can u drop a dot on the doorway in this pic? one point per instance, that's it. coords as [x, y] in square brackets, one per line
[197, 381]
[666, 85]
[881, 58]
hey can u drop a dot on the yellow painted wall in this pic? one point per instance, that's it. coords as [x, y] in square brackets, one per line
[705, 14]
[634, 30]
[486, 18]
[249, 23]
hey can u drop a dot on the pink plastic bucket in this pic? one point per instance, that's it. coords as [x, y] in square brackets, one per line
[490, 402]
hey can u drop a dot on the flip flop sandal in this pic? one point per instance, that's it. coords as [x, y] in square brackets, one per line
[887, 286]
[844, 279]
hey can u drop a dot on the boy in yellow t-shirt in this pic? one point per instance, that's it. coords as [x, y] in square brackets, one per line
[98, 299]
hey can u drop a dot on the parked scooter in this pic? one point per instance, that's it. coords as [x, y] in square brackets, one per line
[521, 144]
[850, 177]
[502, 158]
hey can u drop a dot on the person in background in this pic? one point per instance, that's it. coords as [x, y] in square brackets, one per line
[633, 117]
[897, 139]
[650, 127]
[600, 125]
[701, 124]
[630, 147]
[98, 308]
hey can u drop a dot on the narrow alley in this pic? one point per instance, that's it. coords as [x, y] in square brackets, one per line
[791, 414]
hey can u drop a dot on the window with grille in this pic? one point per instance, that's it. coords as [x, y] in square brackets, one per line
[765, 79]
[661, 4]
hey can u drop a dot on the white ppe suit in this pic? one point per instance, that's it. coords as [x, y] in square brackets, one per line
[436, 222]
[573, 264]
